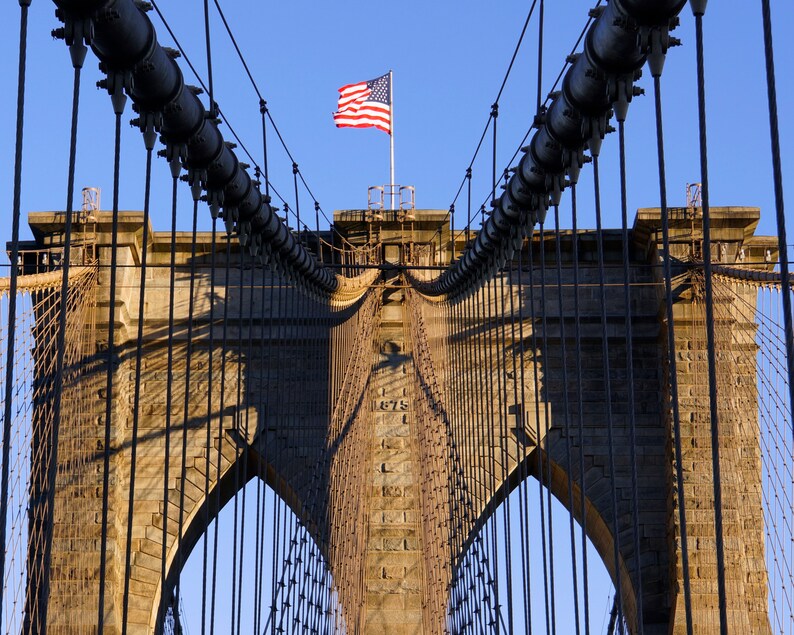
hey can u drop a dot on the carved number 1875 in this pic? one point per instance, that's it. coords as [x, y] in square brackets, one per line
[393, 404]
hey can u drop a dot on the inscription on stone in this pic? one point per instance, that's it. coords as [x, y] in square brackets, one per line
[391, 405]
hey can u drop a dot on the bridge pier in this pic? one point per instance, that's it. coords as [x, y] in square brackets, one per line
[262, 427]
[743, 532]
[395, 583]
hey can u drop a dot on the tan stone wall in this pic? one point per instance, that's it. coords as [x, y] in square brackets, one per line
[309, 347]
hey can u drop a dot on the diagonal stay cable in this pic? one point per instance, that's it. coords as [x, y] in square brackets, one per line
[217, 108]
[553, 88]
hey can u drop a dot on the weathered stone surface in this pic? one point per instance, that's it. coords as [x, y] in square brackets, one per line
[293, 371]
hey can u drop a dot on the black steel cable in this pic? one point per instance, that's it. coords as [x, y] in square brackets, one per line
[263, 112]
[169, 379]
[607, 388]
[573, 50]
[548, 424]
[239, 454]
[477, 409]
[111, 362]
[247, 405]
[710, 336]
[518, 47]
[219, 457]
[538, 457]
[218, 111]
[271, 316]
[505, 458]
[495, 117]
[277, 499]
[236, 464]
[266, 331]
[208, 48]
[300, 174]
[471, 163]
[12, 293]
[540, 57]
[568, 62]
[237, 48]
[297, 203]
[635, 502]
[208, 440]
[185, 417]
[580, 407]
[498, 95]
[78, 55]
[566, 417]
[780, 214]
[554, 87]
[524, 468]
[490, 436]
[259, 520]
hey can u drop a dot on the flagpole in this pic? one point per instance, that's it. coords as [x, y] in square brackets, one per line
[391, 139]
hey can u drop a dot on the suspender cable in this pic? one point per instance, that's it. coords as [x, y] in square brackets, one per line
[169, 379]
[479, 414]
[498, 97]
[780, 214]
[468, 206]
[488, 533]
[221, 409]
[208, 45]
[263, 416]
[462, 571]
[470, 590]
[263, 111]
[78, 53]
[699, 7]
[505, 458]
[298, 226]
[493, 408]
[475, 408]
[545, 393]
[240, 463]
[268, 275]
[261, 489]
[12, 293]
[119, 100]
[567, 417]
[671, 345]
[246, 428]
[635, 502]
[241, 468]
[541, 16]
[539, 458]
[275, 558]
[188, 376]
[208, 438]
[278, 500]
[494, 183]
[237, 462]
[580, 406]
[452, 229]
[523, 465]
[607, 387]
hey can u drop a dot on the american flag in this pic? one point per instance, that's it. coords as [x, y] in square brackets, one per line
[365, 105]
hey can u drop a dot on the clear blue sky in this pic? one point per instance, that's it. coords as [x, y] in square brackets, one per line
[448, 59]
